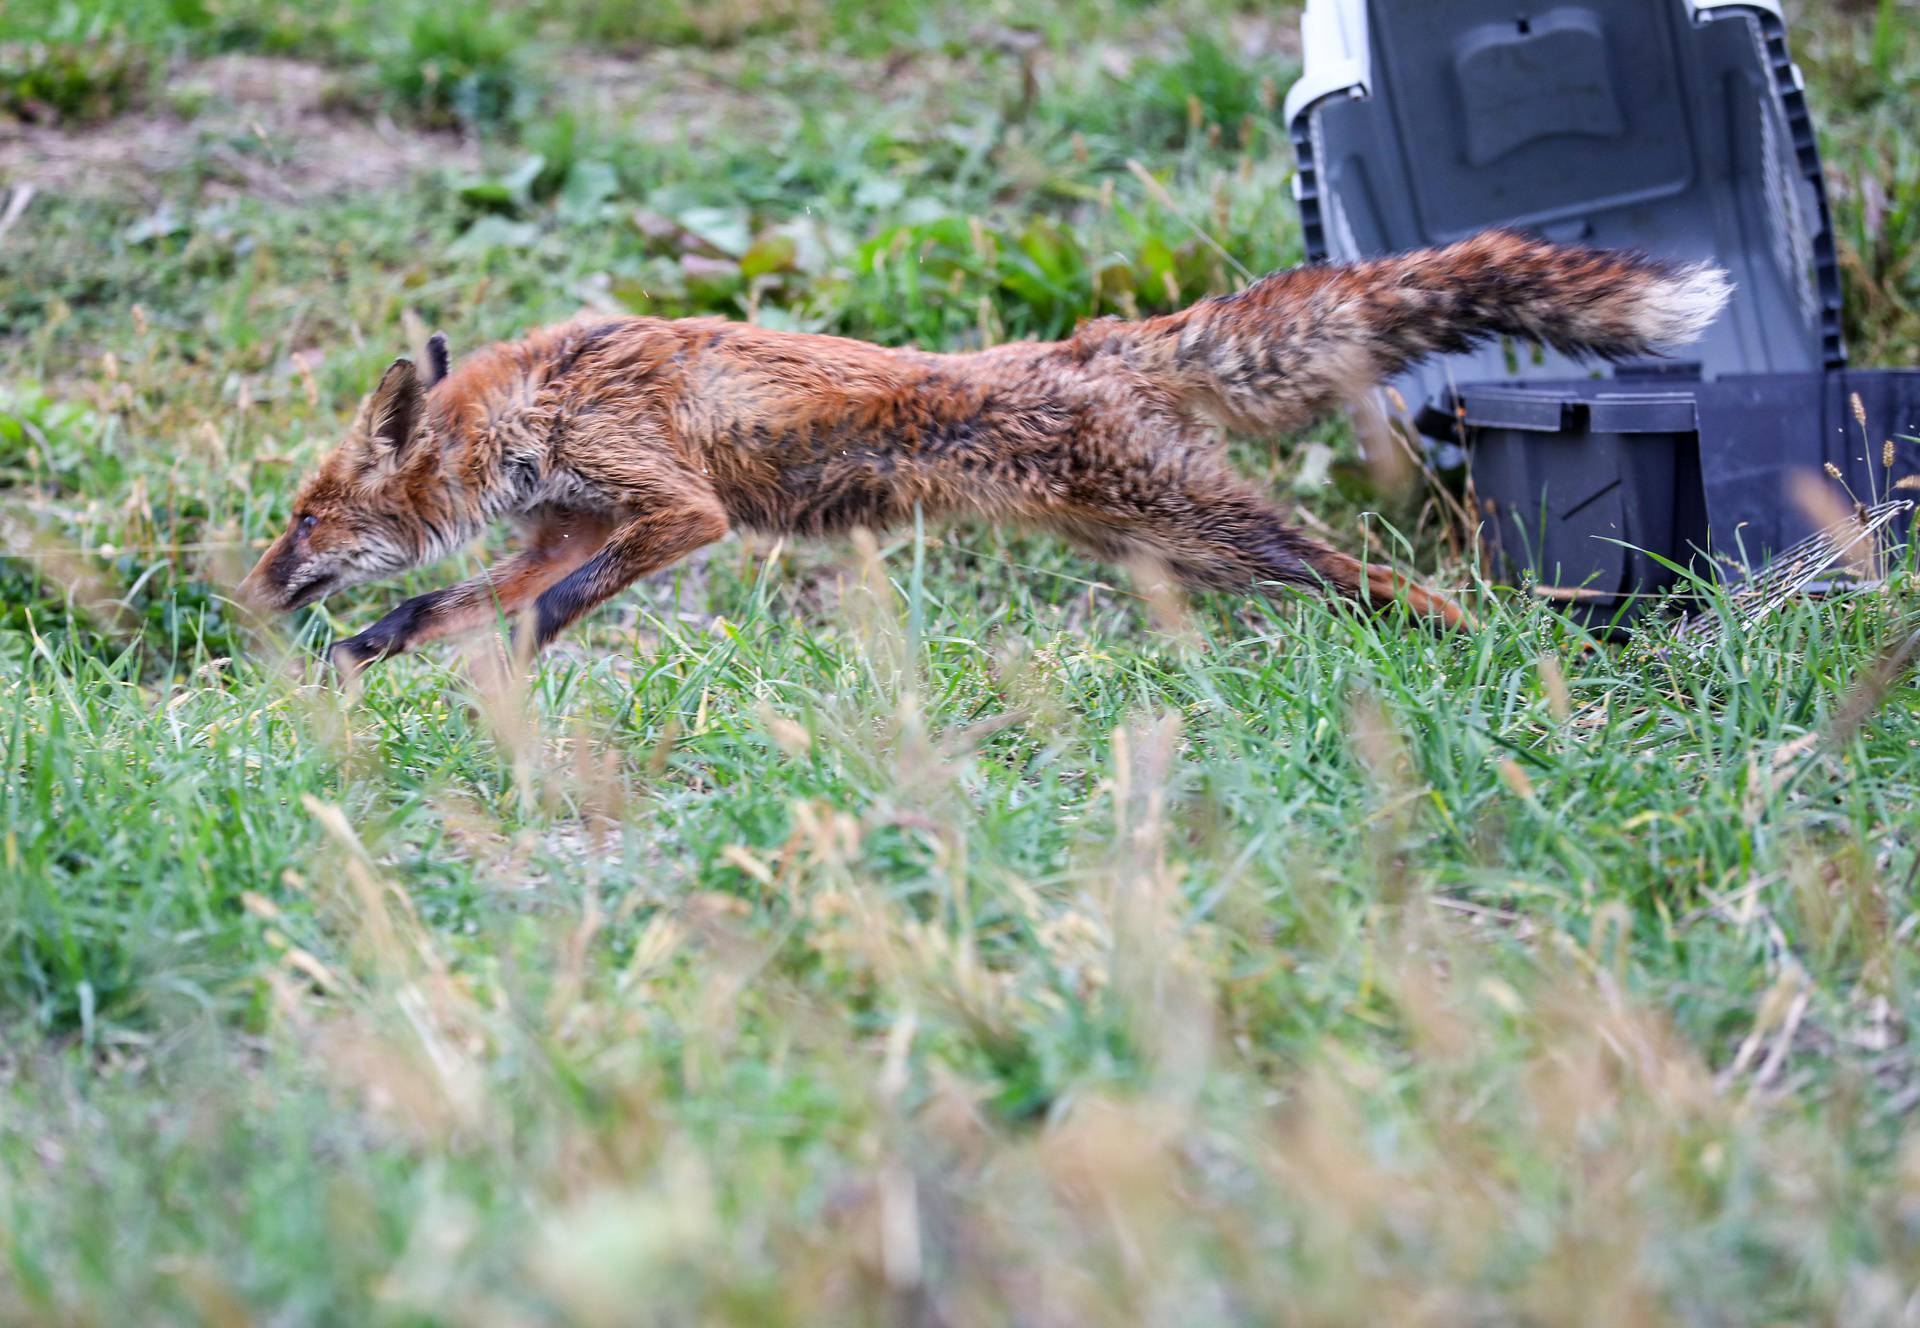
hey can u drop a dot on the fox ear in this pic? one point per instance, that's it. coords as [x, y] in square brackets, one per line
[439, 360]
[394, 411]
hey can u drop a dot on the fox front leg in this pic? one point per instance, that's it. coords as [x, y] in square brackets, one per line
[560, 542]
[395, 633]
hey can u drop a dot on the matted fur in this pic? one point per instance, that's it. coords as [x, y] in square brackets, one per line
[623, 444]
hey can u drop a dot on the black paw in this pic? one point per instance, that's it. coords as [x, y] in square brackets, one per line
[356, 652]
[347, 658]
[390, 636]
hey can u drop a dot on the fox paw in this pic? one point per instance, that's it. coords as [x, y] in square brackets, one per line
[348, 659]
[352, 656]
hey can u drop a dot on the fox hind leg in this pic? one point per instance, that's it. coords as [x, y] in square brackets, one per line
[1219, 534]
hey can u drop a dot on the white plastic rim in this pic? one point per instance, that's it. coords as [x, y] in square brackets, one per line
[1335, 55]
[1773, 7]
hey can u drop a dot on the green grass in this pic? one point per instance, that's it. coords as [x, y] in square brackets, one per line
[927, 931]
[72, 68]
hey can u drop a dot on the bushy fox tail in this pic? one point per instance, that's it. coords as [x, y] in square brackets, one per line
[1296, 344]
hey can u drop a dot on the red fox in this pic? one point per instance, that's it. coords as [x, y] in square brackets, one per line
[624, 444]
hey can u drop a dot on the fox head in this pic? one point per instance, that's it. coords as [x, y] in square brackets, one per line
[369, 509]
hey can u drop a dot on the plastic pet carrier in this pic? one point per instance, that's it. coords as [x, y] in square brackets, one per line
[1678, 127]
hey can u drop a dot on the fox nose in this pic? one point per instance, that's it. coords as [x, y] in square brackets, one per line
[264, 588]
[251, 592]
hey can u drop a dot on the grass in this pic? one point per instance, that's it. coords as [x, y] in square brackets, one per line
[918, 931]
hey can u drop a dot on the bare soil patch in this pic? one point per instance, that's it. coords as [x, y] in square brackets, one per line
[232, 126]
[696, 97]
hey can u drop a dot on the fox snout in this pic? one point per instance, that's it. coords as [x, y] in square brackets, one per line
[284, 578]
[265, 587]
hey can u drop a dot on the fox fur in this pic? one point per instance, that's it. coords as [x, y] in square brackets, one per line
[623, 444]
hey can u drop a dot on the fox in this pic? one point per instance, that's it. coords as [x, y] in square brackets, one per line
[622, 444]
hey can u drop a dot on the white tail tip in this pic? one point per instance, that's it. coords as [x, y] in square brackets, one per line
[1682, 306]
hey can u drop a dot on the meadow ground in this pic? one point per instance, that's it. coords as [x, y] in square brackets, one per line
[927, 931]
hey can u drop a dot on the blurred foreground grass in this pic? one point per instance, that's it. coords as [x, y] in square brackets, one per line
[917, 932]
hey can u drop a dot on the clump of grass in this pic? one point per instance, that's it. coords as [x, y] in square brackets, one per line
[274, 27]
[1206, 81]
[78, 72]
[458, 65]
[1205, 94]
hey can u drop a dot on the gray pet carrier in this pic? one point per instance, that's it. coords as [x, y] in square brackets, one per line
[1678, 127]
